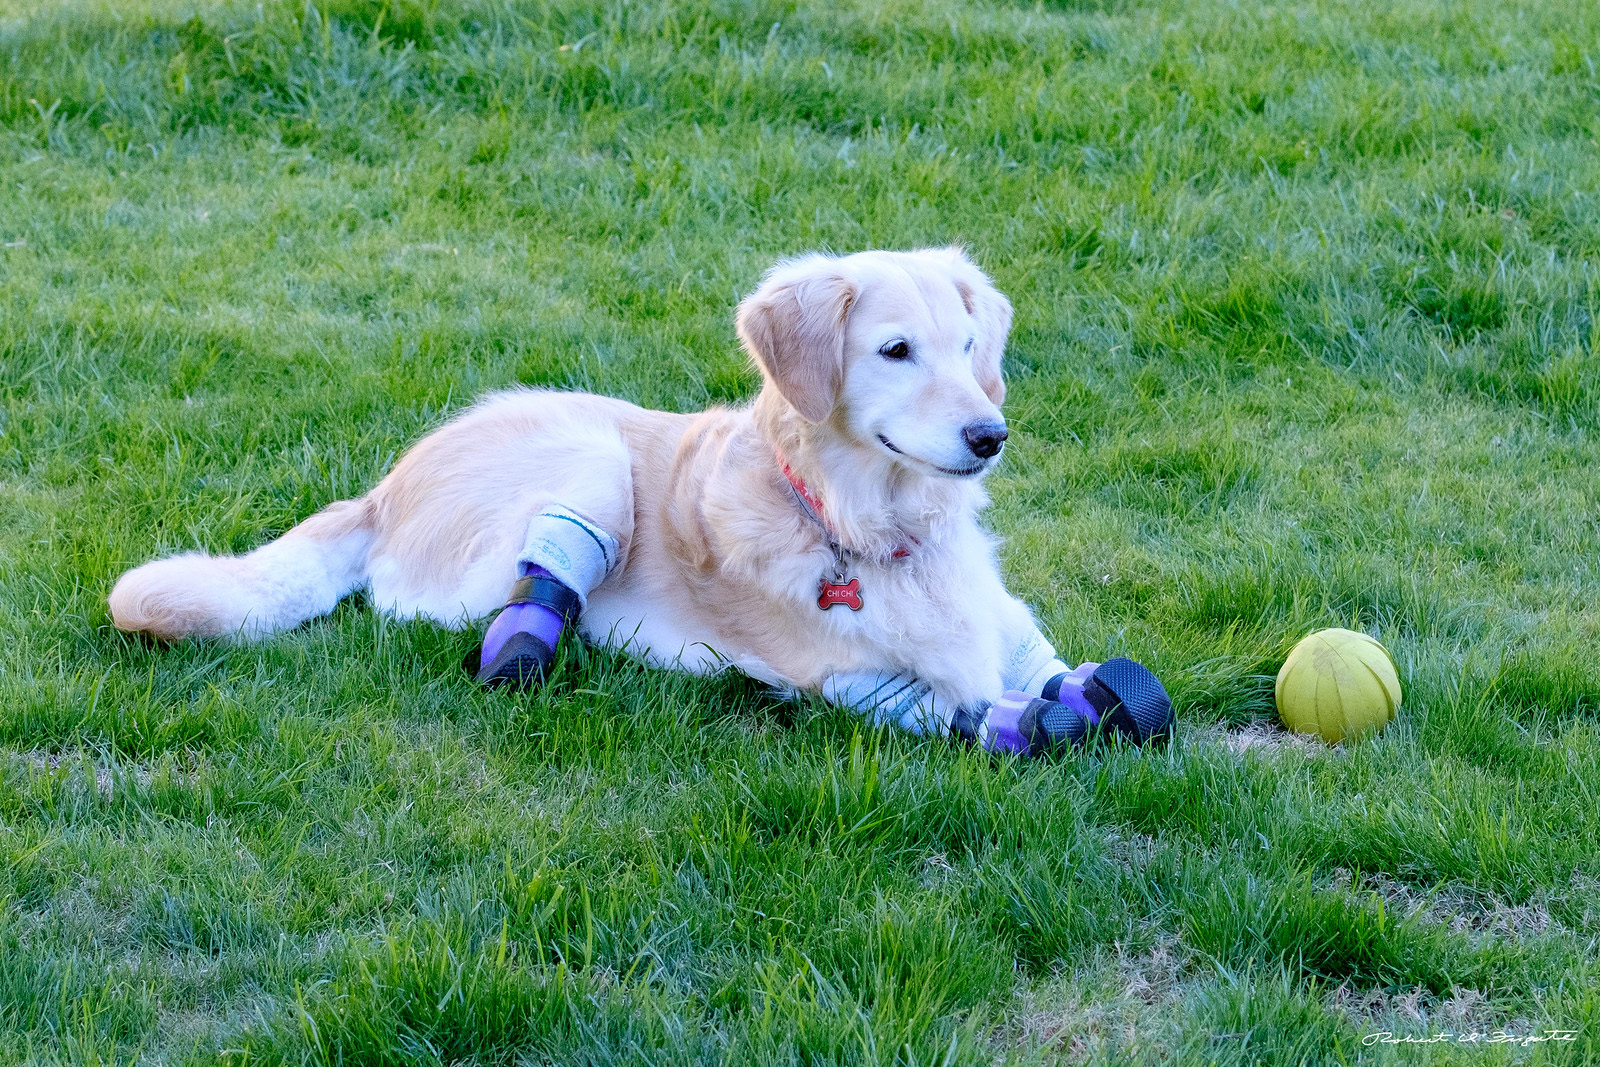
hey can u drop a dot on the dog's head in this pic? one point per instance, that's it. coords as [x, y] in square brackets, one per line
[898, 351]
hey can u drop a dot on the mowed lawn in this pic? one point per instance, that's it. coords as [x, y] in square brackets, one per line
[1306, 335]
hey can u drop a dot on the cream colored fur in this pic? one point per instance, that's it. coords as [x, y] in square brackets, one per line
[718, 564]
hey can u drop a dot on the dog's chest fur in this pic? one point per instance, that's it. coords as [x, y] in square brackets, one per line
[724, 569]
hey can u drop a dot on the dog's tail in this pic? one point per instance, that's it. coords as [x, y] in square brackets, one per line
[299, 576]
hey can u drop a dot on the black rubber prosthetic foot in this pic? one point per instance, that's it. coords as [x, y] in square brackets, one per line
[525, 633]
[1131, 701]
[522, 662]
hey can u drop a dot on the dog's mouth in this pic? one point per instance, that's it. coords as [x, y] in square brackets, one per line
[954, 472]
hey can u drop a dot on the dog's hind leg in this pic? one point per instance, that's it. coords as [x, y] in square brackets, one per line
[569, 546]
[459, 505]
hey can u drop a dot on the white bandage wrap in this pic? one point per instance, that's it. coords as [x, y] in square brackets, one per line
[884, 698]
[575, 551]
[1031, 664]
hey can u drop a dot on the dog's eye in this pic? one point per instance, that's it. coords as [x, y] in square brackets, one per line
[968, 346]
[895, 350]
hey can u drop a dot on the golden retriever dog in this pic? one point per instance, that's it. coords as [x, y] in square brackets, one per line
[824, 538]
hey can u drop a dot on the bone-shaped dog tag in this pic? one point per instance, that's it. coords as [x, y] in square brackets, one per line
[846, 593]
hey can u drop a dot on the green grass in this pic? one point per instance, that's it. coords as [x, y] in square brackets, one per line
[1306, 335]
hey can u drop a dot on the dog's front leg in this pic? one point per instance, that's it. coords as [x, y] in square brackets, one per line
[1029, 661]
[893, 698]
[939, 695]
[1017, 657]
[1005, 651]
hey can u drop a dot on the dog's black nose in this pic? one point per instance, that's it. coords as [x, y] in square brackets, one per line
[985, 438]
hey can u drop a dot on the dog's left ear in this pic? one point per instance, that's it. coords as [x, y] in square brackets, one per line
[793, 327]
[992, 311]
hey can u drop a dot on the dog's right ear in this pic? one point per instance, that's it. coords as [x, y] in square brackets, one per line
[793, 327]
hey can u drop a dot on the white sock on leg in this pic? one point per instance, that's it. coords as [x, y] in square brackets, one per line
[1031, 664]
[891, 698]
[575, 551]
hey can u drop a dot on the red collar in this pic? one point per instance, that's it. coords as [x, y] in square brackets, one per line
[813, 506]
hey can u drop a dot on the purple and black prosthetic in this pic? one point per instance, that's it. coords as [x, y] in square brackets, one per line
[521, 641]
[563, 559]
[1118, 698]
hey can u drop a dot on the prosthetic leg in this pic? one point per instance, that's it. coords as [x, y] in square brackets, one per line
[564, 558]
[1117, 698]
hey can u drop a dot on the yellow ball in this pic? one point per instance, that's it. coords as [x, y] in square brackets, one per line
[1339, 685]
